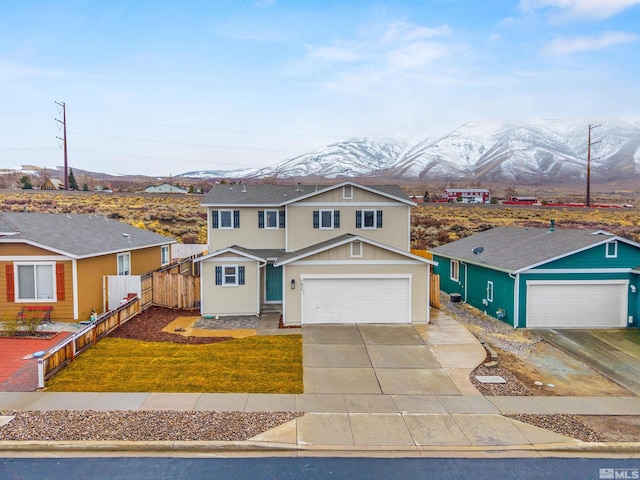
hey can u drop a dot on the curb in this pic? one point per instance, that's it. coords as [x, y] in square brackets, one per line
[631, 449]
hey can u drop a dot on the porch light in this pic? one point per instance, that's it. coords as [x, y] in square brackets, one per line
[293, 284]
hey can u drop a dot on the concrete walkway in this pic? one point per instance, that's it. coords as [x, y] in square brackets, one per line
[367, 387]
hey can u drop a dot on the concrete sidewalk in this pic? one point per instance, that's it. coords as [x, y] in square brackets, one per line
[367, 388]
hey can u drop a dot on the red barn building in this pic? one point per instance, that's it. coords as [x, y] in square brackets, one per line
[467, 195]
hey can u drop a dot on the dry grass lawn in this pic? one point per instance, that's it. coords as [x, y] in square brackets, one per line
[265, 364]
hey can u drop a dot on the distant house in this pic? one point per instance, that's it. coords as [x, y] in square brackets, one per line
[53, 184]
[165, 188]
[59, 260]
[467, 195]
[545, 278]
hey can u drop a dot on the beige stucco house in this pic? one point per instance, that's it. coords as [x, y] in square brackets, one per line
[336, 254]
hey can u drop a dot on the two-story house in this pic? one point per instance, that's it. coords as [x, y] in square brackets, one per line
[337, 254]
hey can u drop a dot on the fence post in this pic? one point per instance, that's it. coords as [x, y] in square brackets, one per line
[40, 373]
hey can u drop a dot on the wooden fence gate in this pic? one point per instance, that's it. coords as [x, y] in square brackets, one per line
[175, 290]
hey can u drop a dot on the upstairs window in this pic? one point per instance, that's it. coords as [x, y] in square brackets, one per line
[271, 219]
[369, 219]
[612, 249]
[347, 192]
[225, 219]
[326, 219]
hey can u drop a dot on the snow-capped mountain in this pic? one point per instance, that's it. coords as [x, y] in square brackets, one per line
[519, 152]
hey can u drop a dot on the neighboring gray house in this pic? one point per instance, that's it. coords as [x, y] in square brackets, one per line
[545, 278]
[165, 188]
[331, 254]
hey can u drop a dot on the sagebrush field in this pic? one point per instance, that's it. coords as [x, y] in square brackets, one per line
[432, 224]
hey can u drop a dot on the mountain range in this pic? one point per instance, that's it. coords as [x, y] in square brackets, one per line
[523, 152]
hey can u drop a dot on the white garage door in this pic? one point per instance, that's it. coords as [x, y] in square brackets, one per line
[356, 300]
[577, 304]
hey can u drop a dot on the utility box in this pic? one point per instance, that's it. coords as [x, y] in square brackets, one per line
[456, 297]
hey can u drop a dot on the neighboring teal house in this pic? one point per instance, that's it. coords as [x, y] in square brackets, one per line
[545, 278]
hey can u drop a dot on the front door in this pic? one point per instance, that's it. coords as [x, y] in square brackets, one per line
[273, 283]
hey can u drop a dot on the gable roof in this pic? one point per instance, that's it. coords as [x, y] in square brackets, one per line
[258, 254]
[77, 236]
[280, 195]
[342, 240]
[514, 249]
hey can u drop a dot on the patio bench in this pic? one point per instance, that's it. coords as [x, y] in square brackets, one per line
[42, 311]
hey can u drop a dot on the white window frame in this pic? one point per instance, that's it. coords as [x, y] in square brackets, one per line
[331, 216]
[236, 274]
[347, 192]
[126, 255]
[356, 253]
[266, 219]
[454, 270]
[375, 214]
[18, 298]
[165, 256]
[220, 226]
[613, 254]
[489, 291]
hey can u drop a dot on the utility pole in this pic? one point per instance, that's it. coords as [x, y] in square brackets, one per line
[63, 106]
[589, 143]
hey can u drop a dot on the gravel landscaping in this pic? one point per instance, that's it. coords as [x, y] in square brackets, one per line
[141, 425]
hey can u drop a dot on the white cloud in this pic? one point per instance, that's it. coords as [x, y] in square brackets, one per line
[264, 3]
[338, 54]
[17, 70]
[568, 46]
[598, 9]
[406, 32]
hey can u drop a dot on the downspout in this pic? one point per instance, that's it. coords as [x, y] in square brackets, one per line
[516, 300]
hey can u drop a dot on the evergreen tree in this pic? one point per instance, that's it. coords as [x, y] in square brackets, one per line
[73, 184]
[25, 182]
[426, 196]
[85, 187]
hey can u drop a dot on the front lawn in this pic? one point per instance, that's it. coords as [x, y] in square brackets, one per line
[260, 364]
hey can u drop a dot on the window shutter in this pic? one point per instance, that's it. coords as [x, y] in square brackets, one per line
[60, 281]
[316, 219]
[260, 218]
[241, 275]
[336, 219]
[379, 219]
[282, 218]
[214, 219]
[236, 219]
[11, 292]
[358, 218]
[218, 275]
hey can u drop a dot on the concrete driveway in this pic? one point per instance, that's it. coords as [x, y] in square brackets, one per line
[615, 353]
[390, 359]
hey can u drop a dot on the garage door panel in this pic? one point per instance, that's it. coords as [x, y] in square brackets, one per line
[356, 300]
[582, 304]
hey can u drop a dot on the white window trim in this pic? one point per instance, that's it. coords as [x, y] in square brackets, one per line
[347, 192]
[359, 255]
[489, 291]
[122, 255]
[165, 259]
[16, 283]
[235, 276]
[320, 219]
[375, 219]
[220, 227]
[615, 249]
[456, 270]
[266, 219]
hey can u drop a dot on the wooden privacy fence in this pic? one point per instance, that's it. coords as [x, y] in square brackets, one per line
[434, 290]
[64, 353]
[175, 290]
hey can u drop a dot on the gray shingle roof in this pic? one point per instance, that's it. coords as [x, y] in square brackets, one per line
[276, 195]
[513, 248]
[265, 253]
[78, 235]
[312, 248]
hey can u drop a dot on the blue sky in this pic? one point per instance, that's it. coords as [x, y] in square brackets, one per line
[163, 87]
